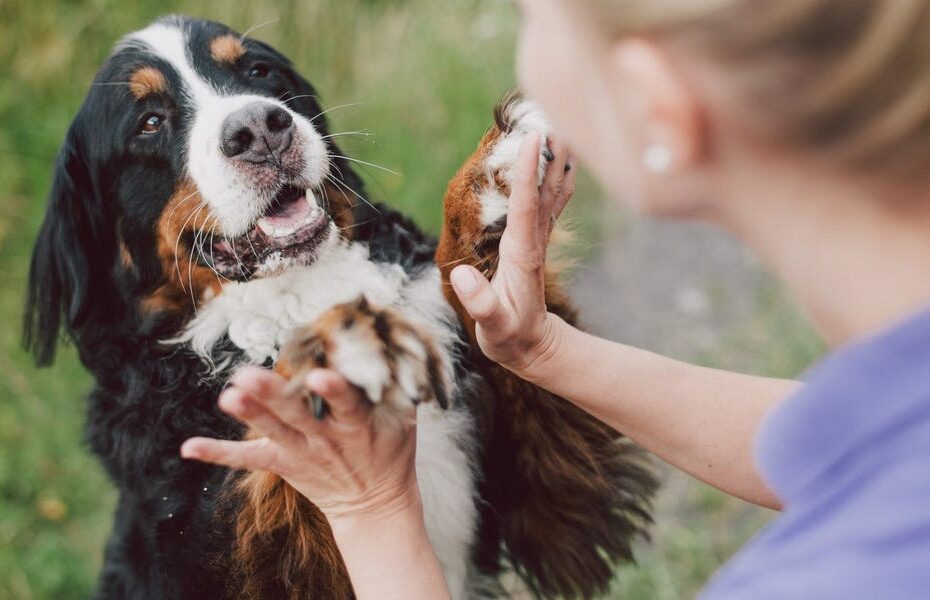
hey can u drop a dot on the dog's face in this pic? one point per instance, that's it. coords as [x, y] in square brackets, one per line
[229, 123]
[199, 157]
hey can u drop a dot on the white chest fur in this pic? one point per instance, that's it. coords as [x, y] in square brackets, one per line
[259, 315]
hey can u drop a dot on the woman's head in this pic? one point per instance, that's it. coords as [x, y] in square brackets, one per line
[654, 94]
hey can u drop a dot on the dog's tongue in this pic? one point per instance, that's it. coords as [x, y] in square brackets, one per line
[287, 218]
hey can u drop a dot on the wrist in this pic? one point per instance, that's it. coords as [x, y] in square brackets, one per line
[537, 362]
[379, 547]
[376, 510]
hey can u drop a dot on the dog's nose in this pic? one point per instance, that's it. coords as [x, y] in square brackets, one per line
[257, 132]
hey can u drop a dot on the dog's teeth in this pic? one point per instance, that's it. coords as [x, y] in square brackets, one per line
[274, 231]
[316, 210]
[266, 227]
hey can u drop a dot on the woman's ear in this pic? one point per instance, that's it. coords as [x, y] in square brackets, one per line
[663, 120]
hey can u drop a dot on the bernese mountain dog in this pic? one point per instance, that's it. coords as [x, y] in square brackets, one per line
[201, 218]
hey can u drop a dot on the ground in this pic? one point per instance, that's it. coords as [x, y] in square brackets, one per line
[420, 77]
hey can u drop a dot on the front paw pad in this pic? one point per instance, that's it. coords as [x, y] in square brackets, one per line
[376, 349]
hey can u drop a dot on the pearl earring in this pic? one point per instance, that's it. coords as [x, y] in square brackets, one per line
[657, 158]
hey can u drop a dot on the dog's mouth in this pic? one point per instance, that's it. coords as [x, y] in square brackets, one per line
[288, 233]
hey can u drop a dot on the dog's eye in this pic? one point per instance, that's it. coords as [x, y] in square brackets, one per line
[151, 123]
[259, 71]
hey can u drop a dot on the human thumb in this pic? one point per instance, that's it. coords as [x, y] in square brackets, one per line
[477, 296]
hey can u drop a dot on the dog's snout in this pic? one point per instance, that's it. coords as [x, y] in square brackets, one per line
[256, 132]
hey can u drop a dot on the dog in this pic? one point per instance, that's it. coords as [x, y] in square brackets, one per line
[202, 218]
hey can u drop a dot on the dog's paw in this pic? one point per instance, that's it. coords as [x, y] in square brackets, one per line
[377, 350]
[515, 118]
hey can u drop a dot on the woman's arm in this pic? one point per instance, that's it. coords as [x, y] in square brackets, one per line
[700, 420]
[358, 470]
[390, 556]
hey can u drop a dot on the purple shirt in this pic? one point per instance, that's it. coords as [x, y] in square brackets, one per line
[849, 456]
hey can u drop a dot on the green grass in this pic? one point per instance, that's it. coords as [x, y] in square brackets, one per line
[422, 76]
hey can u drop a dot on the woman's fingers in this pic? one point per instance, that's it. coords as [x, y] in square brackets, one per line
[568, 189]
[553, 185]
[258, 381]
[272, 390]
[523, 205]
[257, 454]
[346, 403]
[250, 410]
[478, 297]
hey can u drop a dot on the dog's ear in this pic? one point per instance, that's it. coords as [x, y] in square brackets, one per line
[69, 242]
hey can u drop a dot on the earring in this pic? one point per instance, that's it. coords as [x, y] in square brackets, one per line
[657, 158]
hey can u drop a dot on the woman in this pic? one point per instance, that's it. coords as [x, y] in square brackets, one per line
[801, 126]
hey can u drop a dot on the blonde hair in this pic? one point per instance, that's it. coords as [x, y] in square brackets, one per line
[848, 77]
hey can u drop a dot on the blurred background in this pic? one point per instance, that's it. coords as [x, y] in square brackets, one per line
[421, 77]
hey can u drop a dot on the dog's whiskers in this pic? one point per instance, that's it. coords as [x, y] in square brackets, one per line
[336, 182]
[254, 252]
[190, 261]
[334, 108]
[292, 98]
[235, 254]
[199, 240]
[453, 262]
[254, 28]
[354, 225]
[213, 258]
[342, 133]
[362, 162]
[326, 205]
[177, 242]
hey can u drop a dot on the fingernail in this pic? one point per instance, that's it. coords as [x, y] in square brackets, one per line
[463, 280]
[228, 403]
[188, 451]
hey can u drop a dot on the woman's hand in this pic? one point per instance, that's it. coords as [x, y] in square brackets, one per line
[349, 464]
[513, 326]
[355, 465]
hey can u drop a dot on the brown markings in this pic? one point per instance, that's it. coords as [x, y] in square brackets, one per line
[564, 493]
[186, 280]
[147, 81]
[463, 235]
[124, 255]
[226, 49]
[284, 546]
[339, 203]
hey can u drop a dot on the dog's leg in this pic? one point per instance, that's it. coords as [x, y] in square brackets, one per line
[281, 535]
[566, 494]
